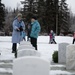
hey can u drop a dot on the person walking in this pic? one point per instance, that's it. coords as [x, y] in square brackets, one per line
[52, 37]
[73, 38]
[35, 29]
[18, 27]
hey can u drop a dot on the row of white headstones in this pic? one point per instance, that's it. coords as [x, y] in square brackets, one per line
[29, 61]
[66, 55]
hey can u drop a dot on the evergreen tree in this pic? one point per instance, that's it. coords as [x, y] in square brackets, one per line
[56, 12]
[50, 15]
[64, 16]
[29, 8]
[41, 14]
[2, 15]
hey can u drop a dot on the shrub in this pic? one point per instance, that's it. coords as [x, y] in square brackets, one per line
[55, 56]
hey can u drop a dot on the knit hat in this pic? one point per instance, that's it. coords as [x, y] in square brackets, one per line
[19, 15]
[34, 17]
[51, 31]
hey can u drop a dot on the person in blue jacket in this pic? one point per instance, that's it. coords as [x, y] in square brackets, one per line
[18, 27]
[35, 29]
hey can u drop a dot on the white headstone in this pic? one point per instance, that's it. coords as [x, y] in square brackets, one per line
[62, 53]
[31, 66]
[29, 52]
[70, 57]
[24, 42]
[26, 47]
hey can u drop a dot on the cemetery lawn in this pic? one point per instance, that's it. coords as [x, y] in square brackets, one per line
[44, 47]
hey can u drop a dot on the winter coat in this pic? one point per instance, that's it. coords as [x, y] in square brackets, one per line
[51, 37]
[74, 35]
[35, 29]
[16, 35]
[28, 30]
[23, 34]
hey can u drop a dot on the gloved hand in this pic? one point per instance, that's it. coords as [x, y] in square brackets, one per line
[21, 29]
[18, 29]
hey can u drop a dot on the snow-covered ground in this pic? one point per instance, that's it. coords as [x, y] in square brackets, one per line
[47, 49]
[44, 47]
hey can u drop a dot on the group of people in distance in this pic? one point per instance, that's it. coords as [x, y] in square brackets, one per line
[18, 33]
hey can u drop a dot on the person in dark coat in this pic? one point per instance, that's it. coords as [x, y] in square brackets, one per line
[73, 38]
[35, 29]
[28, 32]
[18, 27]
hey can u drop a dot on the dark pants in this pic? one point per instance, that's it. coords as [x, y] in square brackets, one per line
[28, 37]
[14, 49]
[34, 42]
[24, 39]
[73, 41]
[54, 41]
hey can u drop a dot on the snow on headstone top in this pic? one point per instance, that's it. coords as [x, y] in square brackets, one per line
[22, 53]
[31, 66]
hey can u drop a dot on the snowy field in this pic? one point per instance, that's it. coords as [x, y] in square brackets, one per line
[47, 49]
[44, 47]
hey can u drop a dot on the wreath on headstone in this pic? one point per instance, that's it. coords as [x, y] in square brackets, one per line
[55, 56]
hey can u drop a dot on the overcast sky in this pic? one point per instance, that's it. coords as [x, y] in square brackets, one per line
[13, 4]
